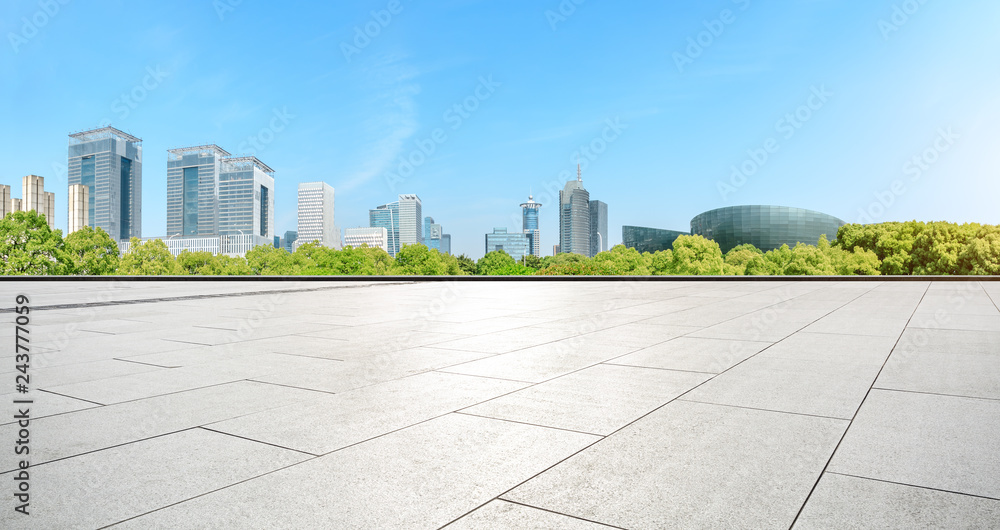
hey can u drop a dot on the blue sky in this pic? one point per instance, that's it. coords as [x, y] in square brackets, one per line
[838, 96]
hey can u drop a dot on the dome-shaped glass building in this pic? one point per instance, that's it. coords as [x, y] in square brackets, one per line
[765, 227]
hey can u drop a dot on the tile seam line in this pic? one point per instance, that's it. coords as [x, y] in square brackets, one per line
[640, 418]
[507, 420]
[224, 433]
[862, 404]
[873, 479]
[498, 499]
[820, 416]
[679, 336]
[956, 396]
[200, 297]
[988, 295]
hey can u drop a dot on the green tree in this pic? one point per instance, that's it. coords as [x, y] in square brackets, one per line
[224, 265]
[937, 248]
[467, 265]
[661, 262]
[495, 263]
[740, 257]
[696, 256]
[531, 261]
[92, 251]
[150, 258]
[196, 262]
[29, 246]
[265, 260]
[418, 260]
[623, 261]
[981, 255]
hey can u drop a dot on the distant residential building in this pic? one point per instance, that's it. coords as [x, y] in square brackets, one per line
[315, 215]
[598, 227]
[515, 244]
[193, 188]
[574, 218]
[375, 237]
[446, 243]
[401, 220]
[555, 249]
[109, 163]
[78, 207]
[529, 225]
[15, 204]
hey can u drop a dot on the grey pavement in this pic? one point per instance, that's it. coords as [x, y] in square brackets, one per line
[542, 404]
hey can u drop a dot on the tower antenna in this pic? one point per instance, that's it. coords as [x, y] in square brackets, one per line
[579, 172]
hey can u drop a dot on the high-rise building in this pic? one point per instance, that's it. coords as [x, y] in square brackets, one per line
[446, 243]
[515, 244]
[5, 202]
[109, 163]
[246, 199]
[574, 218]
[410, 220]
[375, 237]
[386, 217]
[432, 234]
[78, 202]
[34, 197]
[401, 220]
[193, 190]
[529, 225]
[288, 242]
[315, 215]
[598, 227]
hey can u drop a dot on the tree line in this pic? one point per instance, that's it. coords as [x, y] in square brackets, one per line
[29, 247]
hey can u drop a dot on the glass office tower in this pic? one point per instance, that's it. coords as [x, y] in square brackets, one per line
[193, 190]
[765, 227]
[598, 227]
[529, 225]
[315, 215]
[514, 244]
[387, 216]
[246, 198]
[574, 219]
[432, 234]
[109, 163]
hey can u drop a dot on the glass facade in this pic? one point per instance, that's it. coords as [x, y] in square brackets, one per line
[598, 227]
[765, 227]
[246, 200]
[109, 163]
[514, 244]
[529, 225]
[574, 219]
[193, 190]
[387, 216]
[649, 239]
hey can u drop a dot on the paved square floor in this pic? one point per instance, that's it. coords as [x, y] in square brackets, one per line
[542, 404]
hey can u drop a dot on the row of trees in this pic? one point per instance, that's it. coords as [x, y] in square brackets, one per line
[29, 247]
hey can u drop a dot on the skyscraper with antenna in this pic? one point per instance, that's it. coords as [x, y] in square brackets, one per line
[574, 217]
[530, 226]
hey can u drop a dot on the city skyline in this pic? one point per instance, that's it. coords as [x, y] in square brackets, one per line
[867, 112]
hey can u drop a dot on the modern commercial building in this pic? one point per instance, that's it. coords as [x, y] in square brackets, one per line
[246, 199]
[109, 163]
[446, 243]
[649, 239]
[515, 244]
[765, 227]
[598, 227]
[529, 225]
[432, 234]
[227, 245]
[315, 215]
[574, 218]
[410, 220]
[401, 220]
[375, 237]
[78, 207]
[193, 190]
[287, 242]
